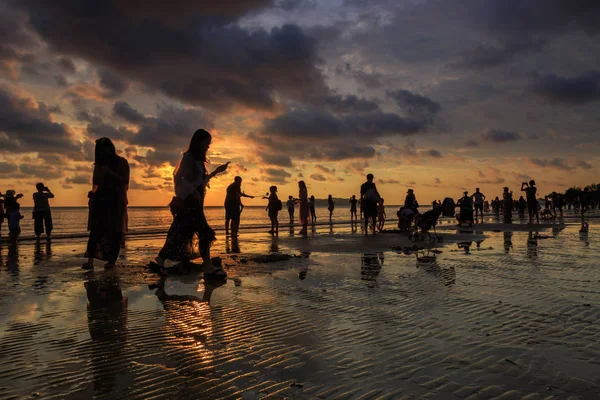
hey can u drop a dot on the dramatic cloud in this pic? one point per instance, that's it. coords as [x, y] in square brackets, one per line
[388, 181]
[78, 180]
[281, 160]
[276, 175]
[318, 177]
[187, 50]
[431, 153]
[414, 104]
[350, 104]
[556, 163]
[499, 136]
[28, 124]
[573, 90]
[583, 165]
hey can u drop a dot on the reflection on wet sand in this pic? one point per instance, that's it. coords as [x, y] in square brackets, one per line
[508, 244]
[371, 264]
[304, 268]
[532, 245]
[107, 324]
[232, 245]
[38, 254]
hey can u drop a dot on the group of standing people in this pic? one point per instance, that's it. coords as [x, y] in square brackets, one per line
[10, 210]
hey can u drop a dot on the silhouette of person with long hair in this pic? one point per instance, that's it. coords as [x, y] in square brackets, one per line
[107, 205]
[304, 206]
[233, 205]
[330, 207]
[190, 234]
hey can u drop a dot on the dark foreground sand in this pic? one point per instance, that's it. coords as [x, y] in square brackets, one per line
[513, 315]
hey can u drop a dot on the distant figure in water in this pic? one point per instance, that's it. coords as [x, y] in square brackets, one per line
[508, 205]
[233, 205]
[304, 207]
[313, 214]
[330, 206]
[584, 201]
[478, 199]
[353, 215]
[108, 201]
[290, 207]
[522, 207]
[369, 197]
[190, 235]
[465, 204]
[41, 210]
[273, 208]
[380, 215]
[14, 217]
[532, 203]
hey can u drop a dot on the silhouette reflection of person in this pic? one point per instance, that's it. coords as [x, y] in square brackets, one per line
[532, 245]
[38, 254]
[304, 269]
[508, 242]
[107, 322]
[371, 264]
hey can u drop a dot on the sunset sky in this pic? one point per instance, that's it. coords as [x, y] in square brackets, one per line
[437, 95]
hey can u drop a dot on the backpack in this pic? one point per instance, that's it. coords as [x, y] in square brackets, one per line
[278, 205]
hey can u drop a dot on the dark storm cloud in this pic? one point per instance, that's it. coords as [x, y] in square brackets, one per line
[485, 56]
[201, 59]
[414, 104]
[583, 165]
[556, 163]
[112, 83]
[7, 168]
[574, 90]
[431, 153]
[276, 175]
[124, 110]
[349, 104]
[281, 160]
[315, 125]
[78, 180]
[41, 171]
[28, 125]
[500, 136]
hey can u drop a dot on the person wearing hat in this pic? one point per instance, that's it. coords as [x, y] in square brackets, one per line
[41, 210]
[466, 209]
[13, 214]
[411, 201]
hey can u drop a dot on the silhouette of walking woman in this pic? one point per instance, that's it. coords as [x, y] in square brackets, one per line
[189, 234]
[108, 201]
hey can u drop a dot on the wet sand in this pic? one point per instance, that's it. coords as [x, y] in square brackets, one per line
[513, 315]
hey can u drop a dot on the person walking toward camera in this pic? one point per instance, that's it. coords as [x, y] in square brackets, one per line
[42, 217]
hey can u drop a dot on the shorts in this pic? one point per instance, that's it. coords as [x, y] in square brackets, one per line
[479, 207]
[370, 210]
[532, 206]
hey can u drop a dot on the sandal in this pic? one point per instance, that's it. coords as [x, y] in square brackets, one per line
[217, 275]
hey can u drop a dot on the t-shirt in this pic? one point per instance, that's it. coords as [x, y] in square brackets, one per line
[13, 219]
[290, 205]
[369, 191]
[531, 191]
[40, 200]
[232, 198]
[478, 197]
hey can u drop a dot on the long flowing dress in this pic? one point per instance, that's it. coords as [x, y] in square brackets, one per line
[108, 204]
[189, 236]
[304, 206]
